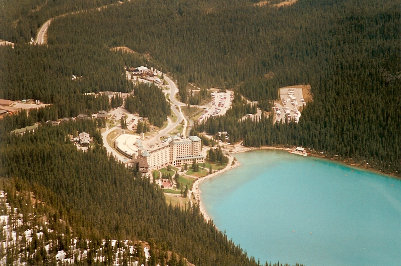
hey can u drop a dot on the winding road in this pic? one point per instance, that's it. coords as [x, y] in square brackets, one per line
[41, 36]
[176, 108]
[41, 39]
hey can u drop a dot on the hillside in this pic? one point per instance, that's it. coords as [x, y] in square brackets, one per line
[101, 199]
[349, 55]
[347, 51]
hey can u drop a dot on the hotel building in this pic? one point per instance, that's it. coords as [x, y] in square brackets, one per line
[174, 151]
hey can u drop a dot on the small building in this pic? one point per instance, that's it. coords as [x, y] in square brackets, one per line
[140, 70]
[143, 165]
[82, 116]
[84, 139]
[166, 183]
[102, 114]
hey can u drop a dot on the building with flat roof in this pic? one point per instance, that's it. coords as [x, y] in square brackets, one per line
[174, 151]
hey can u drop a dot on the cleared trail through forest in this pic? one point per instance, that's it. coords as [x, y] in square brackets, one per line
[41, 36]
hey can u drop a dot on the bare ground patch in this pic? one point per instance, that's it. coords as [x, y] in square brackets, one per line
[306, 92]
[261, 3]
[4, 43]
[285, 3]
[128, 50]
[280, 4]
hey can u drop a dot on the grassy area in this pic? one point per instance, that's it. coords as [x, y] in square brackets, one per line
[200, 173]
[177, 130]
[173, 117]
[176, 200]
[156, 174]
[112, 136]
[172, 191]
[186, 181]
[215, 166]
[164, 171]
[192, 112]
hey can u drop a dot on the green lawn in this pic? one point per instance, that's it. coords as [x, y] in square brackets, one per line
[177, 130]
[176, 201]
[215, 166]
[200, 173]
[171, 172]
[173, 117]
[186, 181]
[156, 174]
[172, 191]
[192, 112]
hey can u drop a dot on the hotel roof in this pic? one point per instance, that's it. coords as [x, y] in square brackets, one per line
[194, 138]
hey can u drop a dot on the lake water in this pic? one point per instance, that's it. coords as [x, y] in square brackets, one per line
[283, 207]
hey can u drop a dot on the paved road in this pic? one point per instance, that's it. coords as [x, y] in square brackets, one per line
[176, 103]
[110, 150]
[176, 108]
[41, 36]
[118, 112]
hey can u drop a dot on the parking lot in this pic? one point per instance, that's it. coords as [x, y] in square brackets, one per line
[289, 107]
[221, 102]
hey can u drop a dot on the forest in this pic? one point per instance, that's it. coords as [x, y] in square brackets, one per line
[102, 199]
[348, 54]
[21, 19]
[149, 101]
[347, 50]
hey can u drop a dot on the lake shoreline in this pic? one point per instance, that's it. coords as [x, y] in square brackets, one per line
[238, 148]
[195, 193]
[306, 197]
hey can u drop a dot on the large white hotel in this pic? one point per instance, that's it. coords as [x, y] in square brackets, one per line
[174, 151]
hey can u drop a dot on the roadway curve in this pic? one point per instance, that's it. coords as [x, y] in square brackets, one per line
[41, 39]
[110, 150]
[176, 104]
[176, 108]
[41, 36]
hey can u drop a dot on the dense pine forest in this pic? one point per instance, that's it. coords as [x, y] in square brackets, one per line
[348, 51]
[146, 96]
[21, 19]
[102, 199]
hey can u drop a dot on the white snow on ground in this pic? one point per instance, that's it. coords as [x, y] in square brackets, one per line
[146, 251]
[4, 219]
[28, 235]
[60, 255]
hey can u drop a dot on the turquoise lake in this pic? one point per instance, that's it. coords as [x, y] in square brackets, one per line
[283, 207]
